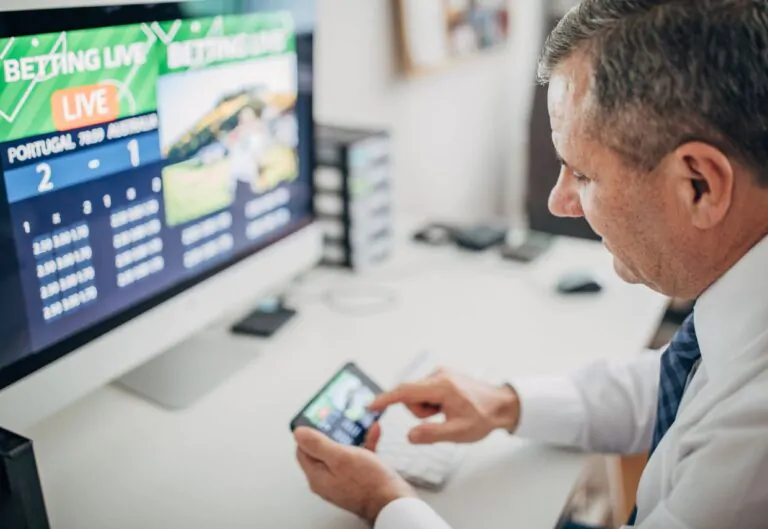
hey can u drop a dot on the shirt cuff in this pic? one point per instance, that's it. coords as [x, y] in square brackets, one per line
[410, 513]
[551, 410]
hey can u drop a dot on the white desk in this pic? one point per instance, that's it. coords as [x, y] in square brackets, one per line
[113, 461]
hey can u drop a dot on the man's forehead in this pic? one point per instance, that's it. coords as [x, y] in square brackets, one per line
[571, 111]
[569, 88]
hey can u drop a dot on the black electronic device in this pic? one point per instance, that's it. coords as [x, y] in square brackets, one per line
[476, 238]
[21, 498]
[264, 321]
[340, 408]
[578, 283]
[479, 238]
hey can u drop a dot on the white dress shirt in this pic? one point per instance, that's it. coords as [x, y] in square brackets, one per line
[711, 469]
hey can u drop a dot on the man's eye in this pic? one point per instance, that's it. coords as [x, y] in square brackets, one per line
[580, 178]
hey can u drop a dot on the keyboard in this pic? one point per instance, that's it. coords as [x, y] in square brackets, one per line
[429, 467]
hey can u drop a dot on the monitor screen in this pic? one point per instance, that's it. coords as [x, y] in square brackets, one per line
[143, 149]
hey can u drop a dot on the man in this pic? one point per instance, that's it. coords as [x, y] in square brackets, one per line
[659, 112]
[246, 145]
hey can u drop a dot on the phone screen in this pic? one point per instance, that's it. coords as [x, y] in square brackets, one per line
[340, 409]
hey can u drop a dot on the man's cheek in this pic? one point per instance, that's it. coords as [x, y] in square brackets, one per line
[603, 221]
[594, 221]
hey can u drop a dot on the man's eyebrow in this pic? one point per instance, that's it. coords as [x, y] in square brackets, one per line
[566, 164]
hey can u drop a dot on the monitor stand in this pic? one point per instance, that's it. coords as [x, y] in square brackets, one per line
[193, 369]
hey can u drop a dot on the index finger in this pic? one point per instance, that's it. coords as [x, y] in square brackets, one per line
[429, 391]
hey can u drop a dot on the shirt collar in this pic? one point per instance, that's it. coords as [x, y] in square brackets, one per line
[733, 312]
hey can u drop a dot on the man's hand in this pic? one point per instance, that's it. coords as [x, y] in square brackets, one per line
[352, 478]
[472, 409]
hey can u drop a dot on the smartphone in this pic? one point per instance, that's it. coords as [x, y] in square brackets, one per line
[339, 409]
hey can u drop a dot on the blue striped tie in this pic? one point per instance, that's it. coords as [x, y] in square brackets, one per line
[677, 363]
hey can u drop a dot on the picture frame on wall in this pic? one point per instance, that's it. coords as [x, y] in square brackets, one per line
[433, 34]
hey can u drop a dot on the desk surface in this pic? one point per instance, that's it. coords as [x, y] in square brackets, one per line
[114, 461]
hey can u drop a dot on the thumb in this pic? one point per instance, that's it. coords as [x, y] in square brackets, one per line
[437, 432]
[373, 437]
[316, 444]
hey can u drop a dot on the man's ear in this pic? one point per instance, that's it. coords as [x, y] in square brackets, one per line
[704, 183]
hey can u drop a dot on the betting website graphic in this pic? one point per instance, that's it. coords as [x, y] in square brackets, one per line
[341, 411]
[136, 156]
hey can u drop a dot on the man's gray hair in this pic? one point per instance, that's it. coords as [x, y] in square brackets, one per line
[665, 72]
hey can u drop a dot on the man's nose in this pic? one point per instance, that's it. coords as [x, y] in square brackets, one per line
[565, 200]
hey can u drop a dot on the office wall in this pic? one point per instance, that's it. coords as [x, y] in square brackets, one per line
[460, 134]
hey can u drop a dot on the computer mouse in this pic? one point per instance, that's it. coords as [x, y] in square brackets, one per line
[578, 283]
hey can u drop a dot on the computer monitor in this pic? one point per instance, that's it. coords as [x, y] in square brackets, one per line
[156, 172]
[543, 165]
